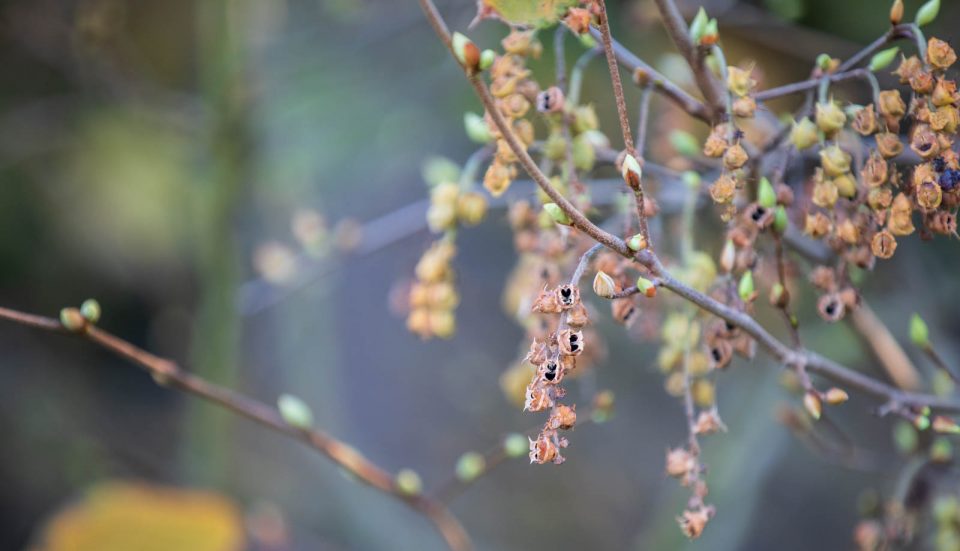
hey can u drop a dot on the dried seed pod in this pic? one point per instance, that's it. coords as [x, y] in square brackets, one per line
[875, 170]
[721, 352]
[537, 398]
[570, 342]
[824, 278]
[547, 302]
[831, 307]
[716, 143]
[759, 216]
[562, 417]
[735, 157]
[543, 450]
[550, 100]
[693, 522]
[577, 316]
[940, 54]
[680, 463]
[883, 244]
[708, 422]
[623, 310]
[889, 145]
[817, 225]
[724, 188]
[865, 121]
[550, 372]
[568, 296]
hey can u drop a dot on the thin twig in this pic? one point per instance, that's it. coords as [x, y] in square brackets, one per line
[167, 373]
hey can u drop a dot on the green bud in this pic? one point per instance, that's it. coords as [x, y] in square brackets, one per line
[476, 127]
[691, 179]
[745, 288]
[646, 287]
[922, 422]
[905, 437]
[882, 59]
[557, 214]
[584, 154]
[408, 482]
[928, 12]
[824, 61]
[698, 25]
[941, 450]
[516, 445]
[637, 243]
[684, 143]
[90, 309]
[780, 220]
[711, 29]
[462, 47]
[295, 411]
[631, 171]
[919, 333]
[437, 170]
[766, 197]
[470, 466]
[487, 57]
[72, 320]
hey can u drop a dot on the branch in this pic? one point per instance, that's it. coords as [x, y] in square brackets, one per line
[660, 83]
[680, 34]
[167, 373]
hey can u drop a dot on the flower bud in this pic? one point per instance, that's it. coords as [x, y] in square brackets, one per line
[745, 288]
[811, 402]
[927, 13]
[556, 214]
[711, 33]
[804, 134]
[487, 57]
[604, 285]
[295, 412]
[470, 466]
[921, 422]
[477, 129]
[408, 482]
[637, 243]
[646, 287]
[684, 143]
[824, 62]
[830, 117]
[631, 171]
[72, 320]
[466, 51]
[896, 12]
[698, 25]
[882, 59]
[728, 256]
[766, 197]
[515, 445]
[836, 396]
[779, 296]
[90, 310]
[919, 333]
[780, 220]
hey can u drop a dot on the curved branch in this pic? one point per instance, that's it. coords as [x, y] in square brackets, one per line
[167, 373]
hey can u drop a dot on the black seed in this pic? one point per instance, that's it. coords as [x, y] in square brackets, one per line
[716, 354]
[550, 375]
[573, 337]
[830, 309]
[574, 347]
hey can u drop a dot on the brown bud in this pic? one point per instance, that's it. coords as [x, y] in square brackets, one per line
[836, 396]
[811, 402]
[896, 12]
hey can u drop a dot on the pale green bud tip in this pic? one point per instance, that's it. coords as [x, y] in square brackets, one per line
[823, 61]
[476, 127]
[470, 466]
[603, 285]
[516, 445]
[684, 143]
[745, 288]
[928, 12]
[637, 243]
[487, 57]
[408, 482]
[631, 171]
[646, 287]
[922, 422]
[691, 179]
[882, 59]
[698, 25]
[919, 333]
[72, 319]
[459, 43]
[295, 411]
[766, 197]
[90, 309]
[557, 214]
[780, 220]
[712, 28]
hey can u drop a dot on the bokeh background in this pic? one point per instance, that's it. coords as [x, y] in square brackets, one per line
[148, 152]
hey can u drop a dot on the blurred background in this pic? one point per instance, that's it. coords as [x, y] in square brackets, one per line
[154, 154]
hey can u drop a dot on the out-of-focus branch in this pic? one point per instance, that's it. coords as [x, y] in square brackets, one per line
[884, 346]
[167, 373]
